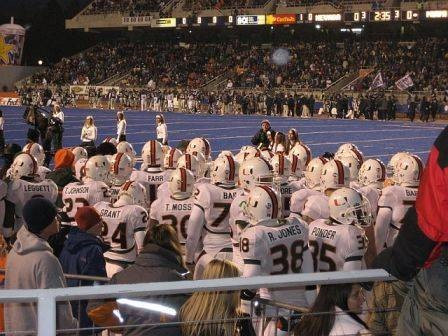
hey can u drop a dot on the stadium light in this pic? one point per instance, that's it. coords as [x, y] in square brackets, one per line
[317, 26]
[40, 62]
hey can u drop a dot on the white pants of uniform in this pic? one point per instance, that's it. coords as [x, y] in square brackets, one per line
[143, 105]
[205, 259]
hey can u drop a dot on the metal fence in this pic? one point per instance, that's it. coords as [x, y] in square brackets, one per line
[46, 298]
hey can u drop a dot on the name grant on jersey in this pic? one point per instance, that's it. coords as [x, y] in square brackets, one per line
[110, 213]
[178, 207]
[292, 230]
[33, 187]
[77, 190]
[323, 233]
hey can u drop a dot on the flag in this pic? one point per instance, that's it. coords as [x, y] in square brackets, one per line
[404, 83]
[377, 82]
[425, 226]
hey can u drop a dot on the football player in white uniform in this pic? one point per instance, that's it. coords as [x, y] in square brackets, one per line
[38, 153]
[394, 162]
[92, 190]
[252, 173]
[23, 186]
[303, 153]
[339, 243]
[200, 145]
[271, 245]
[120, 171]
[125, 224]
[170, 160]
[210, 216]
[153, 175]
[246, 153]
[281, 168]
[311, 186]
[371, 178]
[79, 153]
[174, 208]
[126, 148]
[396, 200]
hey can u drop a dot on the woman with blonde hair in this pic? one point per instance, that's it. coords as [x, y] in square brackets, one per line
[89, 133]
[162, 131]
[216, 313]
[279, 145]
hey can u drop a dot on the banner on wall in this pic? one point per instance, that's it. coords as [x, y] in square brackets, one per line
[12, 39]
[84, 89]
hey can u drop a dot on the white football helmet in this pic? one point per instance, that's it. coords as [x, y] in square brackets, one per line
[409, 171]
[199, 145]
[166, 149]
[255, 172]
[246, 153]
[225, 153]
[334, 175]
[344, 147]
[372, 172]
[36, 151]
[353, 166]
[314, 171]
[135, 192]
[121, 168]
[171, 158]
[394, 162]
[152, 154]
[203, 164]
[97, 168]
[348, 206]
[264, 204]
[181, 183]
[127, 148]
[296, 166]
[80, 169]
[303, 153]
[354, 152]
[281, 168]
[24, 165]
[189, 162]
[79, 153]
[224, 171]
[112, 140]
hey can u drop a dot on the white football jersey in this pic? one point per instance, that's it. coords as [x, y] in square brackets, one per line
[167, 210]
[215, 203]
[373, 195]
[78, 194]
[238, 221]
[42, 172]
[277, 247]
[393, 204]
[113, 192]
[336, 247]
[286, 190]
[121, 225]
[151, 180]
[299, 198]
[21, 191]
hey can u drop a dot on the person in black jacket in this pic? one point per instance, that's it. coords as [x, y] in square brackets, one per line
[424, 110]
[261, 139]
[433, 108]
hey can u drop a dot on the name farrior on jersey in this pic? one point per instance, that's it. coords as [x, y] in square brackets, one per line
[292, 230]
[323, 233]
[34, 187]
[77, 190]
[178, 207]
[110, 213]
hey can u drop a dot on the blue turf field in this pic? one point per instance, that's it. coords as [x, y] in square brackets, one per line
[375, 139]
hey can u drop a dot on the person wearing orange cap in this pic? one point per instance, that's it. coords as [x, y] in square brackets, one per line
[63, 172]
[82, 254]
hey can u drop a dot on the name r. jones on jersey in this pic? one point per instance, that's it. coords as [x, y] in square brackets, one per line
[292, 230]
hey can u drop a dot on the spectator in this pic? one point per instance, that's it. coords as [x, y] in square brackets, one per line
[216, 313]
[32, 135]
[121, 127]
[334, 313]
[161, 130]
[32, 265]
[89, 133]
[63, 173]
[83, 255]
[260, 139]
[159, 260]
[57, 128]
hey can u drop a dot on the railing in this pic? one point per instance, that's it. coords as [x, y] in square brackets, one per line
[46, 298]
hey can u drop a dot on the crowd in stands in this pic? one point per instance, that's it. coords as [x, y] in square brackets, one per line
[128, 7]
[309, 65]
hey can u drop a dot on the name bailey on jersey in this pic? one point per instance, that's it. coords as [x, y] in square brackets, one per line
[292, 230]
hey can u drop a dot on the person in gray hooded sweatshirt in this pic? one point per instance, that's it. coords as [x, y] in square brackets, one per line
[32, 265]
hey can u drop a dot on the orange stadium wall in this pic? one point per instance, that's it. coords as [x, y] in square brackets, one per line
[10, 74]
